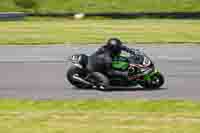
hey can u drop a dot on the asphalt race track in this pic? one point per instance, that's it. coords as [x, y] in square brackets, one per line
[38, 73]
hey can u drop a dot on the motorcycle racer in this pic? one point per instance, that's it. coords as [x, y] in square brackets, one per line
[101, 60]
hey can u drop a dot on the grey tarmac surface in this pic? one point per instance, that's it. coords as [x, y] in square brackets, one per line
[31, 72]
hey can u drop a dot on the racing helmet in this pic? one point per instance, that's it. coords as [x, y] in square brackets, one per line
[114, 45]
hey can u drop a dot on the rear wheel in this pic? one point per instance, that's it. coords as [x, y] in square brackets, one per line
[78, 72]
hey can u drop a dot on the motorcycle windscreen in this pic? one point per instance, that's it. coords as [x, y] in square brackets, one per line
[120, 63]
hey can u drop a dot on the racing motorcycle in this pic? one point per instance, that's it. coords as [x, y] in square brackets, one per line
[139, 65]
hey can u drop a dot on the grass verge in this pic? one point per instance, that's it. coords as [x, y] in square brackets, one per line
[62, 31]
[107, 6]
[104, 116]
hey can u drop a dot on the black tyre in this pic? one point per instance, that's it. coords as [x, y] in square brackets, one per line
[99, 80]
[75, 70]
[158, 79]
[156, 82]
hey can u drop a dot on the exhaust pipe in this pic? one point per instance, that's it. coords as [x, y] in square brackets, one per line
[79, 79]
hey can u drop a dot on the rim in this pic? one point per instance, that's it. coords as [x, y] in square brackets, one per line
[156, 81]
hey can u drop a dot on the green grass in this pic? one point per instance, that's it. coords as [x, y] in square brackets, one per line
[108, 5]
[99, 116]
[64, 31]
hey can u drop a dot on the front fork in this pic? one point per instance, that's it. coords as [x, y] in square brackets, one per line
[149, 76]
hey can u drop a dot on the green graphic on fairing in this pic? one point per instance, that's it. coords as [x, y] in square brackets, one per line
[120, 63]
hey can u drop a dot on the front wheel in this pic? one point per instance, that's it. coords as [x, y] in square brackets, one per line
[156, 81]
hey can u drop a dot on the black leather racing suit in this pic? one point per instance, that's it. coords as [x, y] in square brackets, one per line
[101, 61]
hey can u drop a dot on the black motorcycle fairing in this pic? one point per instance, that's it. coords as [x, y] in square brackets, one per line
[79, 59]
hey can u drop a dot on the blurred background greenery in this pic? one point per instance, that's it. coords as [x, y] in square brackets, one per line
[44, 6]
